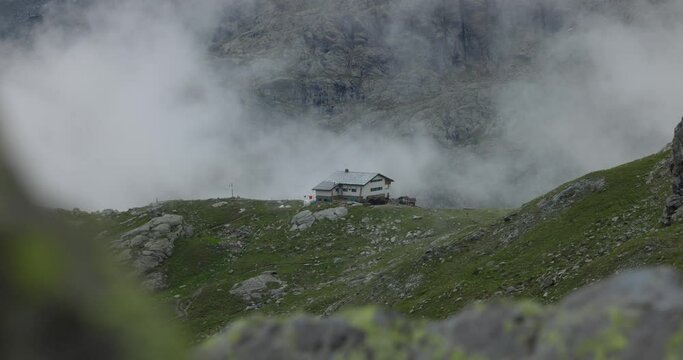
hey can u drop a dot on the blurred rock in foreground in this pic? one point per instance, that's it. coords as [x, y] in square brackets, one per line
[61, 297]
[634, 315]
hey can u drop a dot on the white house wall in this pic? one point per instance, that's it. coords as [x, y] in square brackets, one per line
[383, 184]
[323, 193]
[347, 190]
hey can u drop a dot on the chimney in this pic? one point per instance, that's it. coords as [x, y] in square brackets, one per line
[346, 170]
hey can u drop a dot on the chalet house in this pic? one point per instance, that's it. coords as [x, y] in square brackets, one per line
[354, 186]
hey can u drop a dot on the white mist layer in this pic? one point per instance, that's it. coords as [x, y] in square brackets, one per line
[132, 110]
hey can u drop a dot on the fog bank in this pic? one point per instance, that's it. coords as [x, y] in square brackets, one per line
[126, 106]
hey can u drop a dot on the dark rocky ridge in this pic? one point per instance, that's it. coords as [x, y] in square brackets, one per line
[675, 201]
[18, 16]
[401, 66]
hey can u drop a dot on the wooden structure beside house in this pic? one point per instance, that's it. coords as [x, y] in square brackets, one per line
[354, 186]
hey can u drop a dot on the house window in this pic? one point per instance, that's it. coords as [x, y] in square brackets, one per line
[377, 180]
[376, 189]
[354, 190]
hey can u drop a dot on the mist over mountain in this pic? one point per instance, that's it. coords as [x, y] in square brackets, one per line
[464, 103]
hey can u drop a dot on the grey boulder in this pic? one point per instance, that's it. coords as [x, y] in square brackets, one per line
[259, 288]
[331, 214]
[302, 220]
[148, 246]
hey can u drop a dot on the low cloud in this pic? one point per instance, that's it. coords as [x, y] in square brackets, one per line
[129, 108]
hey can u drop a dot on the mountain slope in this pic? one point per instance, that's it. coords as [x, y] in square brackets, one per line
[53, 278]
[544, 252]
[422, 262]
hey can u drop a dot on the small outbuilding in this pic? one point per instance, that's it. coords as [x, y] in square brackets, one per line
[354, 186]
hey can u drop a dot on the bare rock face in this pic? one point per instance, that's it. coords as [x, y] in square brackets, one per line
[331, 214]
[339, 55]
[147, 246]
[677, 165]
[444, 57]
[572, 193]
[260, 288]
[302, 220]
[16, 17]
[675, 201]
[306, 218]
[633, 315]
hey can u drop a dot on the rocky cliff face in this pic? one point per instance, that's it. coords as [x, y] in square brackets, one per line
[403, 64]
[369, 62]
[149, 245]
[675, 201]
[398, 65]
[17, 16]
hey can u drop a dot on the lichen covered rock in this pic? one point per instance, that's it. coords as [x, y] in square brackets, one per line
[371, 333]
[633, 315]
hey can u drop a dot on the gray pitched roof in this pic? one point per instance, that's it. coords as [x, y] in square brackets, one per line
[352, 177]
[325, 186]
[346, 178]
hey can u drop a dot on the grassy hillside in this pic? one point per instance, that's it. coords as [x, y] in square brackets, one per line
[422, 262]
[550, 253]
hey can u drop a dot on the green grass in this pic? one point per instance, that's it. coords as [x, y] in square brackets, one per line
[322, 266]
[575, 247]
[317, 264]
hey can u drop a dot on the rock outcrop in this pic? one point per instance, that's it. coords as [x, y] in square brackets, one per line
[260, 288]
[17, 17]
[571, 193]
[302, 220]
[403, 64]
[149, 245]
[306, 218]
[220, 204]
[333, 214]
[633, 315]
[674, 203]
